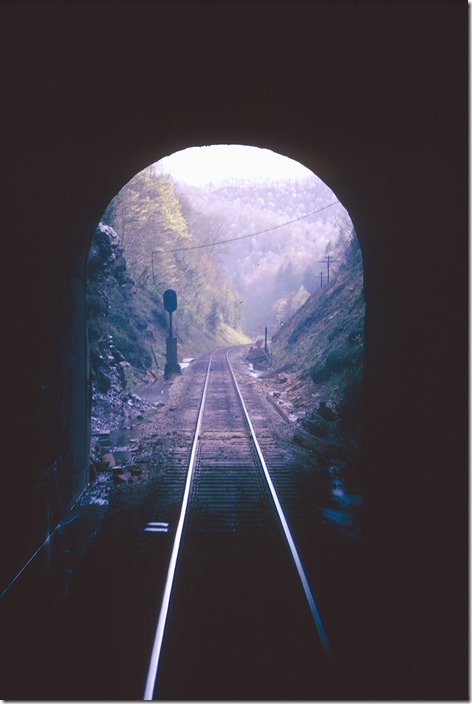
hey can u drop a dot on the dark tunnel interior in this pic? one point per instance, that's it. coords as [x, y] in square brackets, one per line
[372, 97]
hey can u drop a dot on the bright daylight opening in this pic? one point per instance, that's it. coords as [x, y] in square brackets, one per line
[260, 252]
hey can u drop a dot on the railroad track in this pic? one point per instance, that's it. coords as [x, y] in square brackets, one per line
[238, 618]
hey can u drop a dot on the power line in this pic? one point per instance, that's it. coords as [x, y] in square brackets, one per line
[328, 260]
[244, 237]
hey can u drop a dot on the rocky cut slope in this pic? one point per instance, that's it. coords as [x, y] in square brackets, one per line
[120, 332]
[320, 350]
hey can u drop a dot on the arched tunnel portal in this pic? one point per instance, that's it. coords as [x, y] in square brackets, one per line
[388, 137]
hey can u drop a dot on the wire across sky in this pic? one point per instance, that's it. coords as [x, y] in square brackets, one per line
[244, 237]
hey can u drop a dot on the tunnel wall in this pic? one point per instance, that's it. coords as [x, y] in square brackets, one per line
[372, 97]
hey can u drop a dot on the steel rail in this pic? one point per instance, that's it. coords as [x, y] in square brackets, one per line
[296, 558]
[161, 623]
[165, 604]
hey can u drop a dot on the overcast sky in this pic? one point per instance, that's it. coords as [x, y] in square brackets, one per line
[215, 164]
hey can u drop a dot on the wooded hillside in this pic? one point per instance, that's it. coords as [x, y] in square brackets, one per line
[159, 231]
[294, 224]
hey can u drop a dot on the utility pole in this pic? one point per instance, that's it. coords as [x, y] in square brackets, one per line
[328, 260]
[321, 279]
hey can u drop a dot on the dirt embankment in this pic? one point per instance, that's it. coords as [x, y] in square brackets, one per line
[314, 374]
